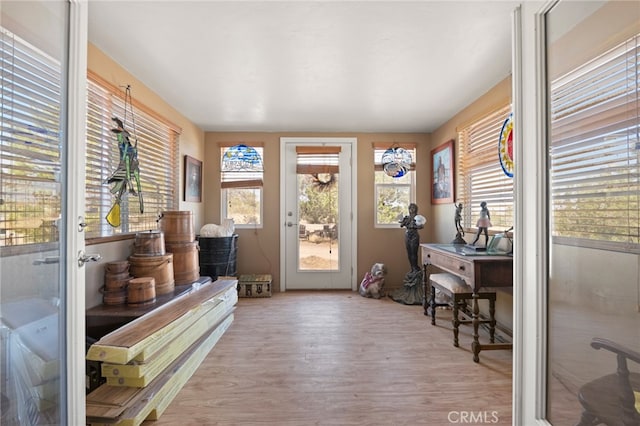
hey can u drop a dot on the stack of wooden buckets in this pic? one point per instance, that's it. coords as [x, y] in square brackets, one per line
[161, 260]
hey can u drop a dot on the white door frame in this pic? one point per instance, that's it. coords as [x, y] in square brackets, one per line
[75, 168]
[354, 200]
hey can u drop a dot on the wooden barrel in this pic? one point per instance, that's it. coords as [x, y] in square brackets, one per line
[116, 281]
[149, 243]
[114, 297]
[117, 267]
[158, 267]
[177, 226]
[186, 266]
[141, 291]
[218, 256]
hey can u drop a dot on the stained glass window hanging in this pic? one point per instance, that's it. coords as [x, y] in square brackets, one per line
[241, 158]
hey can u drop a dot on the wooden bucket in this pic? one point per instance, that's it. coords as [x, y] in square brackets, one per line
[177, 226]
[141, 291]
[186, 266]
[117, 267]
[116, 281]
[114, 297]
[158, 267]
[149, 243]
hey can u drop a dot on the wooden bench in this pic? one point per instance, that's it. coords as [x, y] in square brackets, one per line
[459, 292]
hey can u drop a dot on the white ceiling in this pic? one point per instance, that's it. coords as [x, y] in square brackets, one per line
[370, 66]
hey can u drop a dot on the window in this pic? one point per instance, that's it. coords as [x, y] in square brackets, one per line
[595, 121]
[157, 156]
[392, 194]
[241, 176]
[29, 143]
[481, 177]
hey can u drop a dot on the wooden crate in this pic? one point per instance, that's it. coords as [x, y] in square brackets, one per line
[254, 285]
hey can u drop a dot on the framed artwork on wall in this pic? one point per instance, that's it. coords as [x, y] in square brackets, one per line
[443, 174]
[192, 179]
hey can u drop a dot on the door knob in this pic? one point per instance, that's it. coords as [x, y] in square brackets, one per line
[87, 257]
[289, 224]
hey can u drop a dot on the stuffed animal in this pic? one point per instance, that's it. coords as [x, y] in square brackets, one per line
[372, 284]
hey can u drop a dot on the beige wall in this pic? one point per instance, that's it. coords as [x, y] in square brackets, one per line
[259, 250]
[572, 46]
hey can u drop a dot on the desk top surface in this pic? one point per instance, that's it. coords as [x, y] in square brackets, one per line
[463, 250]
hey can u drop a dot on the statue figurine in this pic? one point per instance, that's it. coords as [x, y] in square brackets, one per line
[412, 222]
[483, 224]
[459, 228]
[412, 291]
[458, 218]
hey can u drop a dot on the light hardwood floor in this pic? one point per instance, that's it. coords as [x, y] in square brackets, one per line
[336, 358]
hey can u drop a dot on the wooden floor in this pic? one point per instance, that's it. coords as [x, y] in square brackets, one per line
[336, 358]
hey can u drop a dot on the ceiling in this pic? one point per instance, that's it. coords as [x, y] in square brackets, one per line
[310, 66]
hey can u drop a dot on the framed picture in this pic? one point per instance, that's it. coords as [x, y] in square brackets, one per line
[192, 179]
[443, 174]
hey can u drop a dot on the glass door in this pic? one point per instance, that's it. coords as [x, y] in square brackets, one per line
[593, 281]
[41, 333]
[317, 188]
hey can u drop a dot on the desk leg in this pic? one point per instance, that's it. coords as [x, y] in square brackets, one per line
[427, 289]
[475, 320]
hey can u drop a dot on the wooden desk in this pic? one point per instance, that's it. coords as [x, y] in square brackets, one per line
[477, 269]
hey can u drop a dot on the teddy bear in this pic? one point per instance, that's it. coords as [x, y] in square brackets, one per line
[372, 284]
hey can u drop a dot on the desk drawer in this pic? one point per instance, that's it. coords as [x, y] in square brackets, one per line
[451, 264]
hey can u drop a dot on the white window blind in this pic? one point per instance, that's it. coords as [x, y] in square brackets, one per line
[594, 152]
[481, 177]
[157, 155]
[317, 159]
[30, 134]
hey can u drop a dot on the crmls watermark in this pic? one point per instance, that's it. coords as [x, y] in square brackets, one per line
[473, 417]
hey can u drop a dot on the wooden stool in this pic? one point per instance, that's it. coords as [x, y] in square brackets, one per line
[459, 292]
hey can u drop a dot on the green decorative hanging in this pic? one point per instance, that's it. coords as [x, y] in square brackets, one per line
[126, 177]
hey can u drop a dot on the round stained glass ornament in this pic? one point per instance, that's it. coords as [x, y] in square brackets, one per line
[505, 146]
[396, 162]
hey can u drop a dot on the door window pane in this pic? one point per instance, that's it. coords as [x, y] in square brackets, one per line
[594, 251]
[32, 212]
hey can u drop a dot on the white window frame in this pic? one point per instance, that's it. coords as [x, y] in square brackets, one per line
[255, 186]
[378, 150]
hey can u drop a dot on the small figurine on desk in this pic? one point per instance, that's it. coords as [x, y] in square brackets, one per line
[483, 224]
[412, 292]
[459, 229]
[458, 218]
